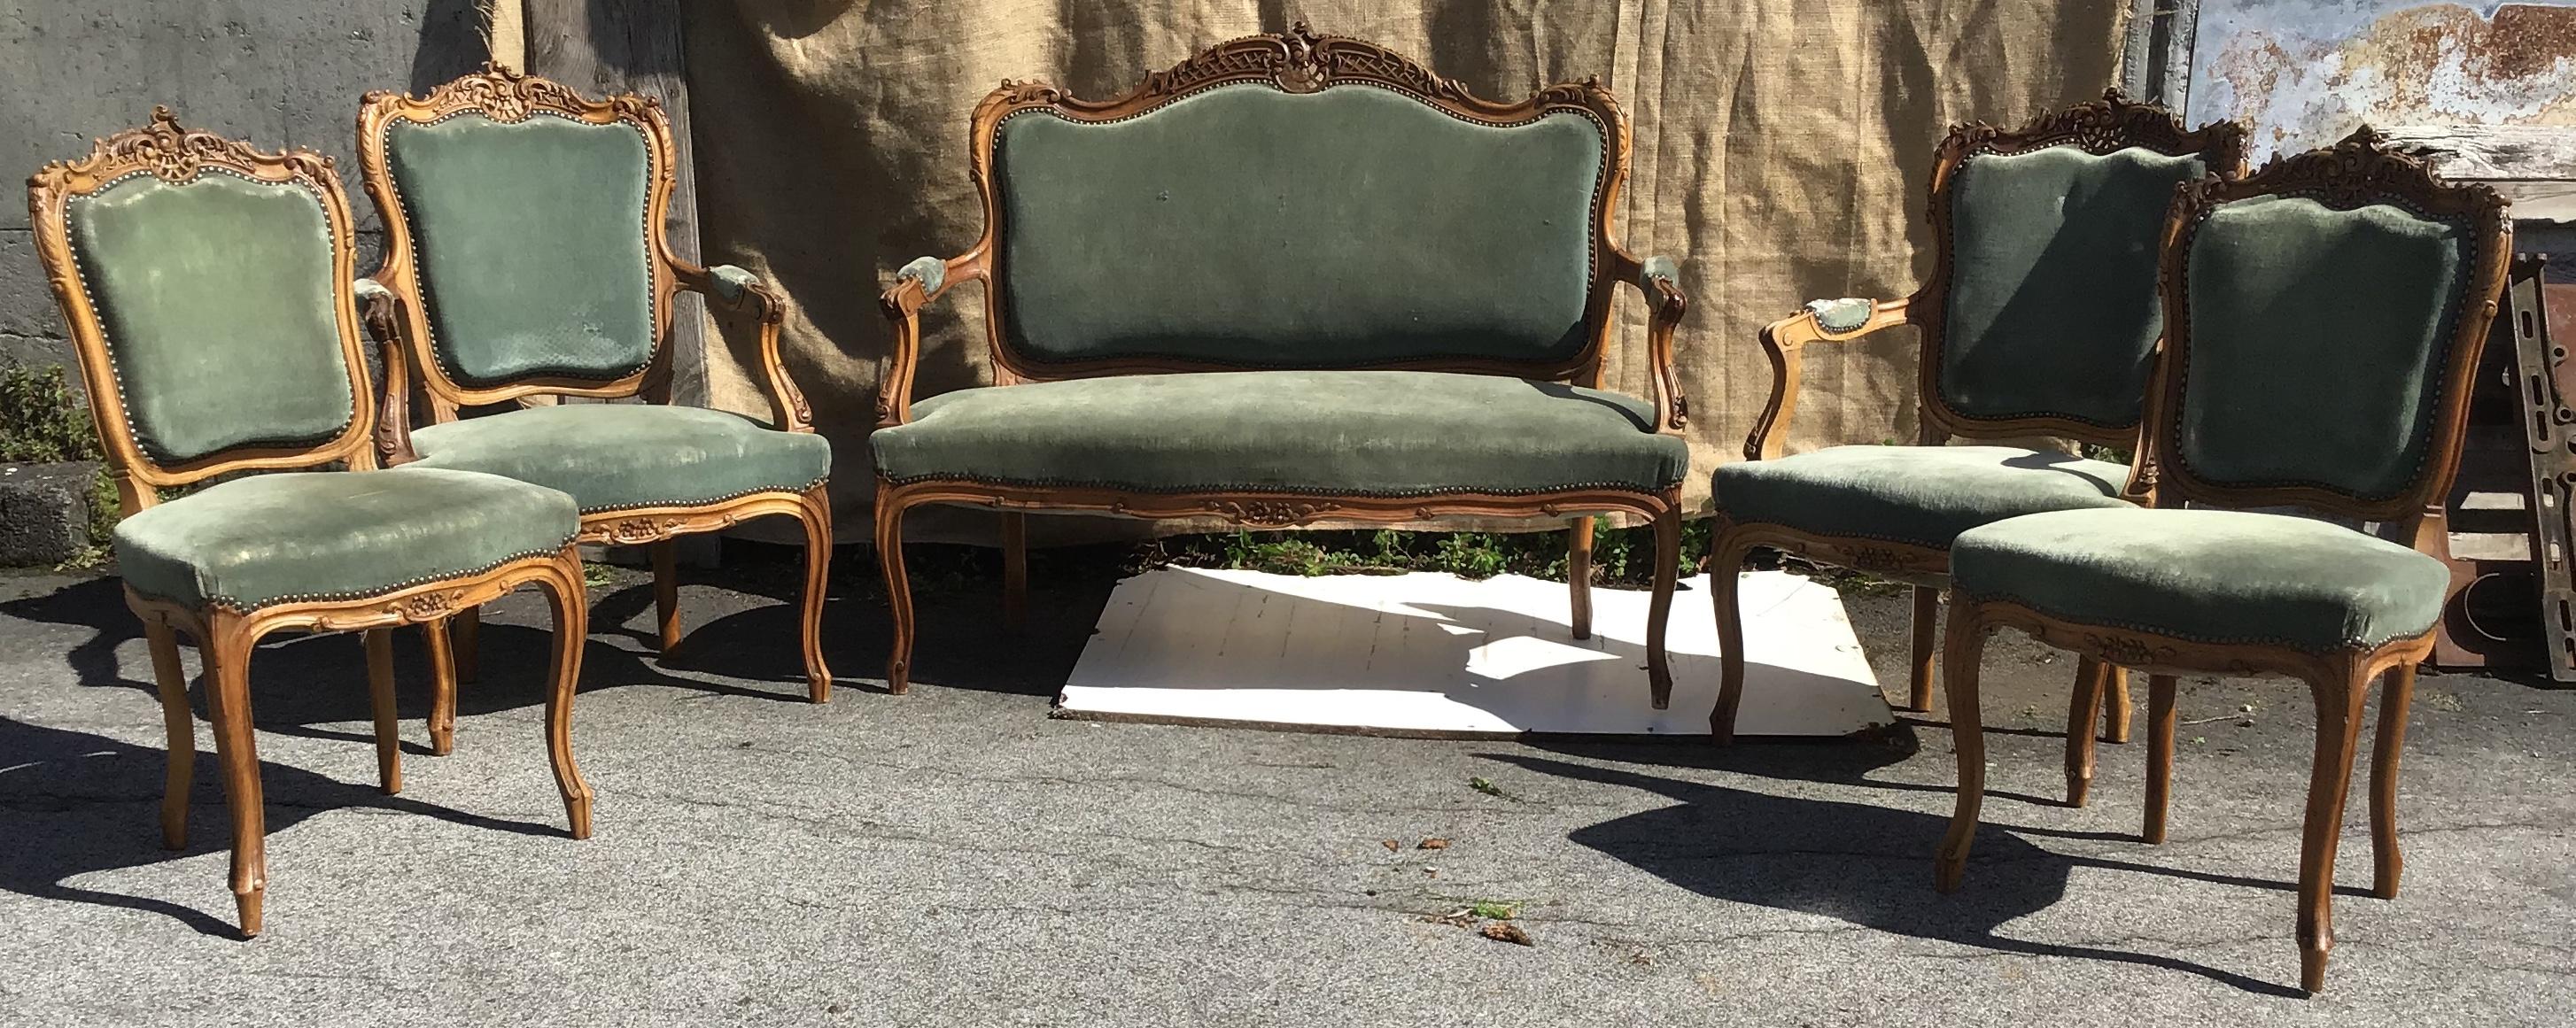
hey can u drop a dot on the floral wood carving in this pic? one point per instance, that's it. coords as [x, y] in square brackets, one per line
[507, 95]
[1272, 512]
[174, 153]
[2112, 123]
[638, 531]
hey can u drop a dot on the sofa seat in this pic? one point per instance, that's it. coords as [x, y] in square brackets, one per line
[2212, 576]
[620, 456]
[1924, 495]
[330, 535]
[1347, 433]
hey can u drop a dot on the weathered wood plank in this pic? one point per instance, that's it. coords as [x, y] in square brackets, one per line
[633, 47]
[2534, 166]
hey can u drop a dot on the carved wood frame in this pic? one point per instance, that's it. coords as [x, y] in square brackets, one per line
[2358, 171]
[506, 95]
[165, 149]
[1298, 61]
[2097, 127]
[226, 636]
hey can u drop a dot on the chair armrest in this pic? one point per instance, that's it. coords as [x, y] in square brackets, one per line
[379, 310]
[915, 285]
[1660, 279]
[741, 290]
[1823, 321]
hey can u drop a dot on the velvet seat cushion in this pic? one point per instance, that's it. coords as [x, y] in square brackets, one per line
[617, 456]
[1361, 433]
[2207, 576]
[1925, 495]
[278, 538]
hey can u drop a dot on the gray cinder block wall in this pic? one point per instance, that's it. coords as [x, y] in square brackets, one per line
[278, 72]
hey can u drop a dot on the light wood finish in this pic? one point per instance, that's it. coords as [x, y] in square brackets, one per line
[508, 96]
[2113, 123]
[2358, 171]
[447, 657]
[225, 636]
[666, 592]
[1578, 575]
[380, 694]
[2080, 715]
[1297, 61]
[1015, 570]
[466, 639]
[2116, 714]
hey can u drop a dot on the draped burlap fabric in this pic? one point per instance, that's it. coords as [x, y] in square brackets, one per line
[1781, 151]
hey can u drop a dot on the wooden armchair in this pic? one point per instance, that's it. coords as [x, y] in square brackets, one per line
[525, 256]
[208, 289]
[2323, 319]
[2038, 319]
[1294, 279]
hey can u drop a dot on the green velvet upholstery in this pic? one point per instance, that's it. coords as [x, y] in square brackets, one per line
[616, 456]
[265, 539]
[1842, 315]
[1925, 495]
[216, 300]
[2207, 575]
[1372, 433]
[730, 281]
[2052, 306]
[529, 238]
[2318, 338]
[931, 272]
[1247, 226]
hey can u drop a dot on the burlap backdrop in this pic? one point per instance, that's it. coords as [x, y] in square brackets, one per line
[1781, 151]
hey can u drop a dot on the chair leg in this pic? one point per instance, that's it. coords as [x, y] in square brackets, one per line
[817, 519]
[380, 687]
[2397, 690]
[1961, 651]
[889, 526]
[571, 602]
[2338, 733]
[1927, 613]
[1668, 561]
[1725, 567]
[2160, 754]
[1015, 570]
[467, 646]
[2115, 707]
[227, 659]
[181, 724]
[666, 592]
[1578, 574]
[2081, 708]
[443, 674]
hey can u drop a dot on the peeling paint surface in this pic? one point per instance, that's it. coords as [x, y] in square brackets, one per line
[2303, 73]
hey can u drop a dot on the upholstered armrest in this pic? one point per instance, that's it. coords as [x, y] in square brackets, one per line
[1785, 340]
[378, 310]
[739, 289]
[1660, 279]
[914, 286]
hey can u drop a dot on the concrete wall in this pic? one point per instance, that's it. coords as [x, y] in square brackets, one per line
[278, 72]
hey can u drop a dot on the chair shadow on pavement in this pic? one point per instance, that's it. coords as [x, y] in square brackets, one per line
[1864, 864]
[75, 804]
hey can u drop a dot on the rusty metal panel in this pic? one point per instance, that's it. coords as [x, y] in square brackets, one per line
[2304, 73]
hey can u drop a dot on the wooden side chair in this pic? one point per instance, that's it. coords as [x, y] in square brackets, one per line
[525, 256]
[2039, 319]
[2323, 320]
[208, 288]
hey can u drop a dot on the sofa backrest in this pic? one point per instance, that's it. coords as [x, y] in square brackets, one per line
[1269, 221]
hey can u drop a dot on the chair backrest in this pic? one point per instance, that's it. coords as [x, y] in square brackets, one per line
[2041, 317]
[527, 220]
[1298, 201]
[207, 286]
[2324, 317]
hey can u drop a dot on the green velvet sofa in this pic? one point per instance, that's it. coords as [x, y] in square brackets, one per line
[1295, 280]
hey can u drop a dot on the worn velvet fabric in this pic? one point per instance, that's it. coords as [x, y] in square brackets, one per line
[275, 538]
[1925, 495]
[529, 237]
[2207, 576]
[2318, 338]
[1245, 225]
[2052, 306]
[613, 456]
[1369, 433]
[216, 299]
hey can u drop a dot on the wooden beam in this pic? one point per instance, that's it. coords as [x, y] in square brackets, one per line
[2534, 166]
[633, 46]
